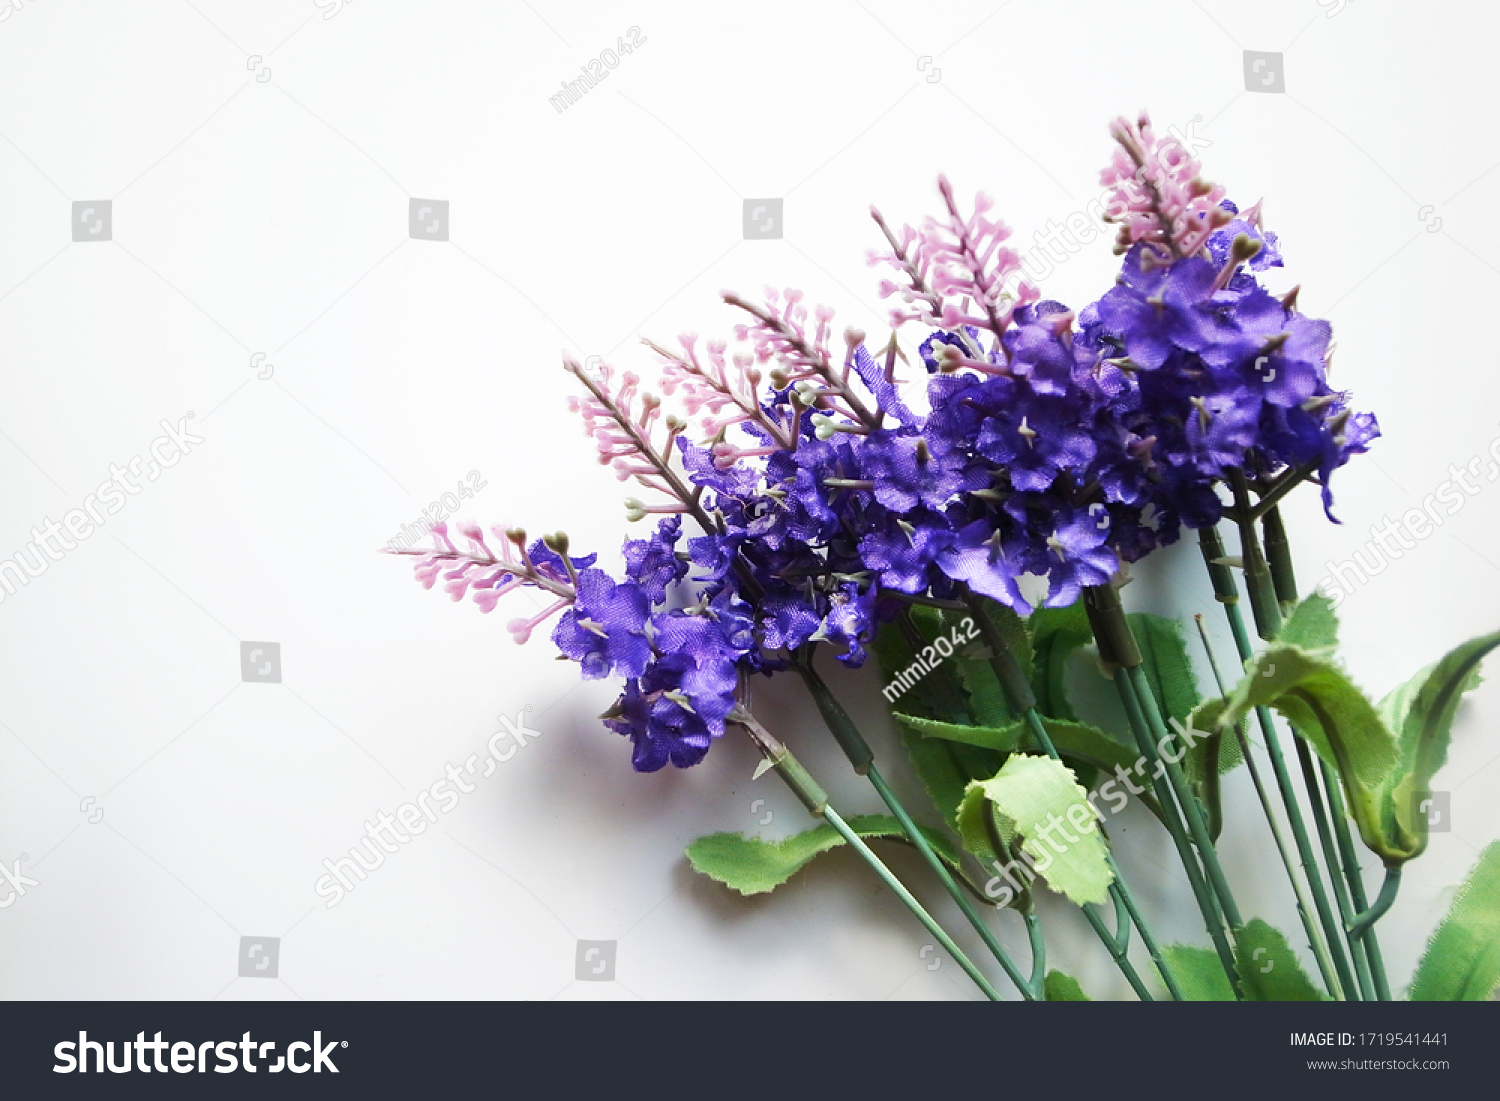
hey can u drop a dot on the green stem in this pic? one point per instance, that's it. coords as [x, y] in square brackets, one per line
[1213, 919]
[1228, 596]
[1369, 965]
[857, 844]
[1368, 943]
[913, 831]
[1312, 783]
[863, 760]
[1191, 808]
[1304, 909]
[815, 799]
[1362, 922]
[1038, 955]
[1018, 693]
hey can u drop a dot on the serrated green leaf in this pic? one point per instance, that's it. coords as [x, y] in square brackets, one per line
[986, 698]
[1042, 798]
[1269, 969]
[1199, 973]
[1165, 662]
[1080, 744]
[1063, 988]
[1056, 634]
[972, 831]
[926, 696]
[1325, 706]
[1421, 713]
[988, 703]
[1462, 960]
[1312, 625]
[941, 775]
[1169, 672]
[753, 866]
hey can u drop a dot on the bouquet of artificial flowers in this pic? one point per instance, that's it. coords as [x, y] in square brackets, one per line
[806, 500]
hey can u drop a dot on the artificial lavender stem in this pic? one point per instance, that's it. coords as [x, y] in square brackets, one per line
[1213, 553]
[1368, 942]
[863, 760]
[1213, 919]
[815, 799]
[1304, 910]
[1314, 788]
[1189, 802]
[1368, 963]
[1365, 920]
[1019, 693]
[1117, 646]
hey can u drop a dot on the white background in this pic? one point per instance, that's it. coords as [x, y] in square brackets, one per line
[270, 216]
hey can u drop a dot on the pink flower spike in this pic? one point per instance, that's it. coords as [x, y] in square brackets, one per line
[520, 629]
[1158, 195]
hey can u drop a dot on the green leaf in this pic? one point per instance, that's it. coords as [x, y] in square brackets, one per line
[1165, 661]
[972, 831]
[942, 776]
[1042, 798]
[1325, 706]
[1199, 973]
[1462, 960]
[1056, 633]
[1081, 744]
[752, 866]
[987, 700]
[988, 703]
[1312, 625]
[1269, 969]
[1169, 672]
[926, 696]
[1063, 988]
[1421, 713]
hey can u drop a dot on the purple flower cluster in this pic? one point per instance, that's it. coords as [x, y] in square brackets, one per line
[1054, 444]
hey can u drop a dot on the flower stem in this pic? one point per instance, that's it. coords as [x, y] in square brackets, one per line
[1038, 954]
[1213, 919]
[842, 727]
[1368, 943]
[1021, 699]
[1304, 909]
[1192, 810]
[1369, 965]
[1362, 922]
[1312, 782]
[815, 799]
[1227, 593]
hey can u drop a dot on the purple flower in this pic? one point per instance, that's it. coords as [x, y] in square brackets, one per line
[903, 549]
[604, 631]
[908, 471]
[787, 620]
[1048, 437]
[660, 728]
[850, 622]
[1081, 556]
[652, 563]
[980, 557]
